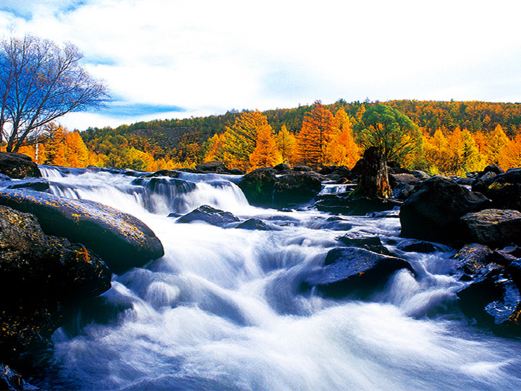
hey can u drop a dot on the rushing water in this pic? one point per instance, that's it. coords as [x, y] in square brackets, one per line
[222, 311]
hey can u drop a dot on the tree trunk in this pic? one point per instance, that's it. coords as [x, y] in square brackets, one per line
[374, 178]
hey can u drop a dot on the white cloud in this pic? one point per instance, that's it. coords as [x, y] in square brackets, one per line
[210, 56]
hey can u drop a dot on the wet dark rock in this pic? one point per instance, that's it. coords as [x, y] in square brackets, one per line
[494, 227]
[353, 272]
[18, 166]
[432, 212]
[494, 301]
[353, 204]
[302, 168]
[402, 185]
[492, 168]
[264, 187]
[503, 189]
[40, 274]
[421, 175]
[255, 225]
[209, 215]
[337, 174]
[122, 240]
[371, 243]
[36, 184]
[10, 380]
[282, 167]
[506, 255]
[160, 173]
[473, 261]
[417, 246]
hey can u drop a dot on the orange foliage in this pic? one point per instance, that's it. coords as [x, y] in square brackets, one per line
[266, 153]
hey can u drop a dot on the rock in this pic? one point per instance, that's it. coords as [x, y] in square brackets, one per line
[302, 168]
[503, 189]
[120, 239]
[402, 185]
[492, 168]
[494, 301]
[417, 246]
[40, 274]
[421, 175]
[494, 227]
[337, 174]
[473, 261]
[209, 215]
[282, 167]
[18, 166]
[354, 204]
[371, 243]
[160, 173]
[12, 381]
[432, 212]
[37, 184]
[255, 225]
[263, 187]
[353, 272]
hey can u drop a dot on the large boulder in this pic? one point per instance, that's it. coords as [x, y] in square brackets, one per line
[503, 189]
[433, 210]
[122, 240]
[18, 166]
[353, 272]
[354, 204]
[39, 275]
[266, 187]
[494, 227]
[209, 215]
[403, 184]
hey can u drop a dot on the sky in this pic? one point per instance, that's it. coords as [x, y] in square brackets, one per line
[183, 58]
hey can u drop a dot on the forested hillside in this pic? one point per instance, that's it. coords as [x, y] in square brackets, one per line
[453, 137]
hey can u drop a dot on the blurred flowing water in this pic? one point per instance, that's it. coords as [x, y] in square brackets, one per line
[222, 309]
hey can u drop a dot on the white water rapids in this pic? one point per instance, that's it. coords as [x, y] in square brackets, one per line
[222, 311]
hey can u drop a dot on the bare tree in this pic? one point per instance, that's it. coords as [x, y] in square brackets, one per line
[40, 82]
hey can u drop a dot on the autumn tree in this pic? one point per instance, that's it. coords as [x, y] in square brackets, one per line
[389, 135]
[241, 137]
[266, 153]
[510, 155]
[76, 152]
[215, 148]
[316, 133]
[40, 82]
[286, 142]
[342, 150]
[471, 159]
[55, 145]
[437, 152]
[497, 140]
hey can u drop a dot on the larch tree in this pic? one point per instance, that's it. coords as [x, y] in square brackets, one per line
[510, 155]
[316, 133]
[437, 152]
[77, 154]
[342, 149]
[266, 152]
[471, 159]
[215, 148]
[55, 146]
[286, 142]
[496, 142]
[241, 137]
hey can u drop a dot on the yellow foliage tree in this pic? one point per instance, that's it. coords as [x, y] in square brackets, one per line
[316, 133]
[76, 152]
[240, 139]
[215, 150]
[437, 152]
[496, 142]
[510, 155]
[471, 159]
[266, 153]
[342, 150]
[286, 142]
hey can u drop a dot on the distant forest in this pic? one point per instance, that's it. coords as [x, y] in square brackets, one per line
[186, 142]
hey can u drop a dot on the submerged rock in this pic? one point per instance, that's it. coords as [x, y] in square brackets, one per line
[265, 187]
[353, 204]
[37, 184]
[122, 240]
[494, 227]
[371, 243]
[417, 246]
[209, 215]
[433, 210]
[353, 272]
[255, 225]
[18, 166]
[40, 274]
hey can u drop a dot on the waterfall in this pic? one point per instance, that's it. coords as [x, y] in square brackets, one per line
[222, 309]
